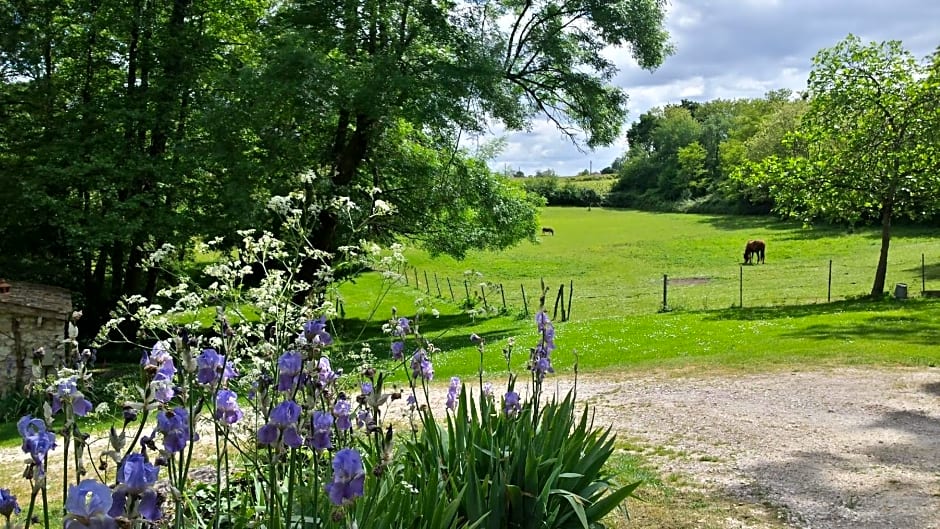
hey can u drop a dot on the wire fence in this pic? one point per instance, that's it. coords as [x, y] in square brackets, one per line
[765, 285]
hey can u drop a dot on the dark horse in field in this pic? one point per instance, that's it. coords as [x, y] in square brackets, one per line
[754, 248]
[547, 231]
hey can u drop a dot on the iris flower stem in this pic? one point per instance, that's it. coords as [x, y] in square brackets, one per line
[290, 487]
[45, 507]
[65, 468]
[32, 506]
[218, 479]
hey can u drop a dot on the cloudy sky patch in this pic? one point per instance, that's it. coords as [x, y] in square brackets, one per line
[730, 49]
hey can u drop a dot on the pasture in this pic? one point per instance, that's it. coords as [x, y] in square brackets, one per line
[616, 261]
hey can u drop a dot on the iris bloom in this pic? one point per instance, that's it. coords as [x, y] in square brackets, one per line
[37, 441]
[322, 423]
[348, 477]
[511, 404]
[315, 332]
[398, 350]
[211, 365]
[453, 391]
[174, 425]
[87, 506]
[282, 425]
[226, 407]
[341, 410]
[67, 392]
[136, 478]
[421, 366]
[289, 367]
[8, 504]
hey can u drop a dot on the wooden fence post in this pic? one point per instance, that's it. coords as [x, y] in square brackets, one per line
[829, 292]
[483, 292]
[665, 287]
[427, 284]
[452, 298]
[438, 284]
[466, 288]
[923, 275]
[570, 291]
[415, 269]
[502, 294]
[561, 295]
[741, 287]
[525, 303]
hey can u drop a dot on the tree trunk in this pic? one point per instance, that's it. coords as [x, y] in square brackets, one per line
[878, 288]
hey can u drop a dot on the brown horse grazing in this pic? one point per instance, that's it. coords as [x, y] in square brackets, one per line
[548, 231]
[754, 248]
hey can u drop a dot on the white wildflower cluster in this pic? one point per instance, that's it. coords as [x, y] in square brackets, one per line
[280, 204]
[156, 257]
[345, 204]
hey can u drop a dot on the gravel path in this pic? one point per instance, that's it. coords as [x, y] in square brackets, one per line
[842, 448]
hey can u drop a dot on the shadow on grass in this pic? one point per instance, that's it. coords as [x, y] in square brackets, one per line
[931, 272]
[801, 311]
[911, 321]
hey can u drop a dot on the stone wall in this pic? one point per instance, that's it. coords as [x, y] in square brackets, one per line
[31, 317]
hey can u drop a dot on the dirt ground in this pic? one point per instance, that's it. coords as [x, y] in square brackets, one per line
[841, 448]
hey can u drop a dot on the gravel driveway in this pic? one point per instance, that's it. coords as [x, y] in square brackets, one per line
[841, 448]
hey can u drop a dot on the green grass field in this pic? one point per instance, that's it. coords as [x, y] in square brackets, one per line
[616, 260]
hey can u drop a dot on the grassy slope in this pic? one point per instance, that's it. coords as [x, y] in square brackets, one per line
[616, 260]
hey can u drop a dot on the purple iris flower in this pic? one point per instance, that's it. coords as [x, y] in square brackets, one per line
[37, 441]
[289, 366]
[398, 350]
[325, 372]
[452, 392]
[364, 418]
[341, 410]
[67, 392]
[159, 354]
[283, 424]
[226, 407]
[174, 425]
[322, 424]
[211, 365]
[8, 504]
[315, 332]
[402, 327]
[421, 366]
[87, 506]
[487, 389]
[541, 320]
[511, 405]
[162, 384]
[543, 365]
[136, 478]
[348, 477]
[367, 388]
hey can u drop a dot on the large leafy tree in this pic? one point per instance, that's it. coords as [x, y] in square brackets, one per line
[102, 137]
[869, 142]
[343, 81]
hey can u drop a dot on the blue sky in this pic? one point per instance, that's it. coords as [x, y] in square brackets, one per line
[731, 49]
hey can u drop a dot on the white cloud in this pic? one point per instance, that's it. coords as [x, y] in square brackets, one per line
[732, 49]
